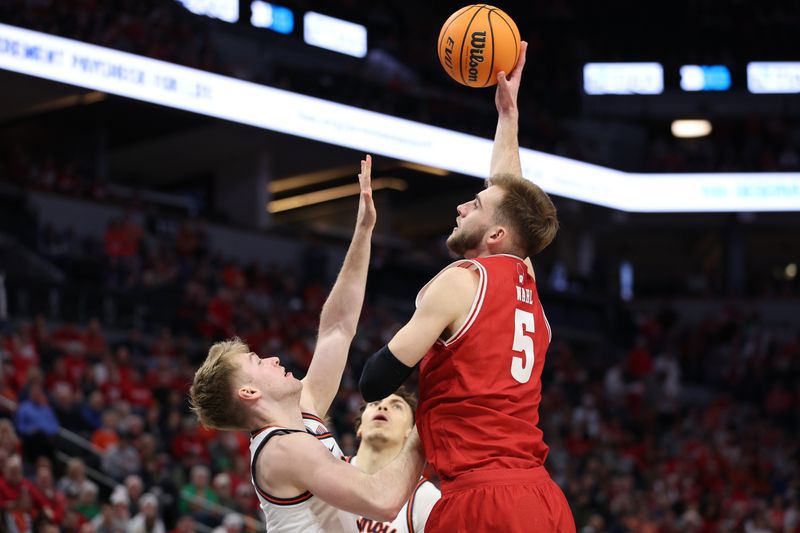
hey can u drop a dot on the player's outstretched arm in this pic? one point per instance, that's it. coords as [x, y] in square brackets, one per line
[301, 461]
[443, 306]
[505, 150]
[339, 318]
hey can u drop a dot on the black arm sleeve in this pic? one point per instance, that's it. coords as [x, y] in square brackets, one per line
[382, 375]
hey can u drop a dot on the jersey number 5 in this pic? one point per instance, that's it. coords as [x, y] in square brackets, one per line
[523, 323]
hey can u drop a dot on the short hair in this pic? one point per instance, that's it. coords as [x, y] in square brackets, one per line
[409, 397]
[528, 210]
[212, 395]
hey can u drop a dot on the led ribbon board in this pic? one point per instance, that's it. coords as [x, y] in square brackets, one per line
[149, 80]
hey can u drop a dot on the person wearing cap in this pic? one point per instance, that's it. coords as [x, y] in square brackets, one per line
[231, 523]
[148, 519]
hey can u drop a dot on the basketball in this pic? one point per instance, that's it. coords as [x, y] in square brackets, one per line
[476, 43]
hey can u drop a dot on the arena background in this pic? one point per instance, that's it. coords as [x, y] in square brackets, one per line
[134, 233]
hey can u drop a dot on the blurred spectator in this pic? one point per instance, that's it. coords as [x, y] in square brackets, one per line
[36, 424]
[122, 458]
[147, 520]
[8, 437]
[17, 492]
[231, 523]
[106, 435]
[20, 513]
[75, 480]
[91, 411]
[134, 488]
[196, 493]
[189, 445]
[55, 501]
[185, 524]
[113, 518]
[87, 505]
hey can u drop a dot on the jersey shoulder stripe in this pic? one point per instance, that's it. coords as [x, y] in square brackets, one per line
[477, 302]
[264, 494]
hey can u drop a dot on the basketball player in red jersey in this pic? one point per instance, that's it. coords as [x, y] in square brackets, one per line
[480, 336]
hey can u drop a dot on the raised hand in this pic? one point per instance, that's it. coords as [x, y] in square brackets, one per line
[366, 207]
[508, 85]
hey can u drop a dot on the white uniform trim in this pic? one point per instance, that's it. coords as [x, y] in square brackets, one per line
[477, 302]
[547, 323]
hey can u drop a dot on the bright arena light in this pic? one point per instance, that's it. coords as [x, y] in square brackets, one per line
[690, 129]
[149, 80]
[791, 271]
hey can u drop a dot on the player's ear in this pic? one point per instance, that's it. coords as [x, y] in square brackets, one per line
[249, 393]
[497, 234]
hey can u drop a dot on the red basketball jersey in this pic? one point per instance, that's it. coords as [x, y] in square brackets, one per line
[480, 389]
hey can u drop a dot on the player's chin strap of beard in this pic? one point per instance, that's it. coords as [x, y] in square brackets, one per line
[382, 375]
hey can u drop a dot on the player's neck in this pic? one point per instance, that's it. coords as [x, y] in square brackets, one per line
[278, 415]
[372, 458]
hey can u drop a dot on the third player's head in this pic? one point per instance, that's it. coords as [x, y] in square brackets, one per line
[387, 422]
[512, 215]
[236, 389]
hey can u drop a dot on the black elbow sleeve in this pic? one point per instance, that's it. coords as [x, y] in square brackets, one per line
[382, 375]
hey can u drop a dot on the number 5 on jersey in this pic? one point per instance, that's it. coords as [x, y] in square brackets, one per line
[523, 342]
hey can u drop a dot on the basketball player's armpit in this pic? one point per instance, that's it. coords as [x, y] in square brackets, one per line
[382, 375]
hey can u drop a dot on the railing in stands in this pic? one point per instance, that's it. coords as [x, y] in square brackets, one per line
[86, 450]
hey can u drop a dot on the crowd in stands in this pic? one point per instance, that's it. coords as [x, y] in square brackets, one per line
[689, 427]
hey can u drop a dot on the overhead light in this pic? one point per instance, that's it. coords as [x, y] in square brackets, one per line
[335, 34]
[334, 193]
[309, 178]
[436, 171]
[272, 17]
[227, 10]
[773, 77]
[689, 129]
[790, 271]
[623, 78]
[705, 78]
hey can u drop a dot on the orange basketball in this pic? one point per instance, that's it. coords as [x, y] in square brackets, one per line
[476, 43]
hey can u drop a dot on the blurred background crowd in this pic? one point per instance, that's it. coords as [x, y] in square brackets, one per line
[673, 407]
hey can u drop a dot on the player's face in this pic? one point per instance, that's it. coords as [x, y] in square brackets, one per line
[474, 220]
[389, 419]
[268, 375]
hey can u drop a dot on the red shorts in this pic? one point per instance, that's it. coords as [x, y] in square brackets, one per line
[511, 501]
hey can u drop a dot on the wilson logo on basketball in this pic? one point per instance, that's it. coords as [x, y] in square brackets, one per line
[476, 53]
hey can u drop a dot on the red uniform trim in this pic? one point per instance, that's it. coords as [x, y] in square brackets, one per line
[410, 507]
[309, 416]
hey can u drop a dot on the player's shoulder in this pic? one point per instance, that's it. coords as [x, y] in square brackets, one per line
[284, 447]
[458, 275]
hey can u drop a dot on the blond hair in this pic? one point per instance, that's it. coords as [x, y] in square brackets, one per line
[213, 393]
[528, 211]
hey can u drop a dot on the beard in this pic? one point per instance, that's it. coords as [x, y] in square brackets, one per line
[462, 241]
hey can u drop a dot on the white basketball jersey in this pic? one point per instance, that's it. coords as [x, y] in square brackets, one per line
[412, 516]
[304, 512]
